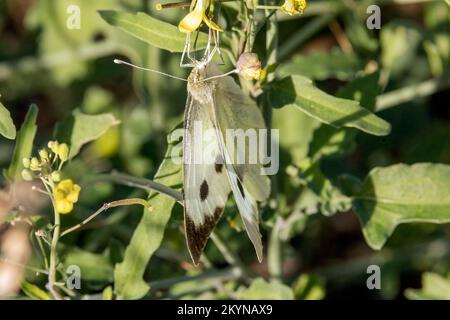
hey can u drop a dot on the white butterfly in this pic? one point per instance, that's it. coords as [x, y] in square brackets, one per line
[217, 104]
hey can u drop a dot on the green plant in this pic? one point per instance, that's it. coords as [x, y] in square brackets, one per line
[334, 109]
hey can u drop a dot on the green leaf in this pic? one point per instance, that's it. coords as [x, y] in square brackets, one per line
[338, 112]
[309, 287]
[399, 42]
[53, 19]
[24, 144]
[147, 237]
[321, 65]
[81, 128]
[295, 131]
[107, 293]
[150, 30]
[93, 266]
[361, 38]
[402, 194]
[363, 89]
[434, 287]
[330, 198]
[328, 141]
[260, 289]
[7, 128]
[33, 291]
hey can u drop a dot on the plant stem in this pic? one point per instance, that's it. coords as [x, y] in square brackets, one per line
[53, 246]
[229, 255]
[30, 268]
[399, 96]
[106, 206]
[53, 262]
[274, 255]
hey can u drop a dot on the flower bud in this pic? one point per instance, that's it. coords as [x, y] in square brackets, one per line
[43, 154]
[27, 175]
[34, 164]
[63, 151]
[26, 163]
[53, 146]
[249, 66]
[56, 176]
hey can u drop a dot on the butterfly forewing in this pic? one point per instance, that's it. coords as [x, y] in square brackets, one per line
[206, 186]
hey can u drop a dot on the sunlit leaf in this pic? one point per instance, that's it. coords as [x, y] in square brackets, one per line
[158, 33]
[402, 194]
[93, 266]
[309, 287]
[338, 112]
[295, 130]
[24, 144]
[61, 33]
[434, 287]
[329, 141]
[7, 128]
[33, 291]
[399, 42]
[147, 237]
[260, 289]
[81, 128]
[322, 65]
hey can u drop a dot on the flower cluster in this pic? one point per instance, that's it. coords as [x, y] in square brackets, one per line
[47, 167]
[294, 7]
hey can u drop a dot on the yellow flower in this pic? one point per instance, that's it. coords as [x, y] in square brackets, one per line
[65, 195]
[293, 7]
[249, 66]
[193, 19]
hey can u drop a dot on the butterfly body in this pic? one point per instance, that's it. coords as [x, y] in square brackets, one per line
[210, 173]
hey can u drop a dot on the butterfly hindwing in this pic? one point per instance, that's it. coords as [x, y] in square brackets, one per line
[206, 186]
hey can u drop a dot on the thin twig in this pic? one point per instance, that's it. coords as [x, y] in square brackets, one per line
[399, 96]
[106, 206]
[141, 183]
[228, 254]
[30, 268]
[216, 275]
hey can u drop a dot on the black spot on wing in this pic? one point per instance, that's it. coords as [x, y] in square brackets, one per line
[197, 236]
[241, 188]
[204, 190]
[219, 167]
[219, 164]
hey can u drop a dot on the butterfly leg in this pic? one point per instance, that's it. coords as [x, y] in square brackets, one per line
[217, 44]
[186, 53]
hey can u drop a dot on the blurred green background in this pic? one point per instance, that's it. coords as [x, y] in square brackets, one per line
[43, 62]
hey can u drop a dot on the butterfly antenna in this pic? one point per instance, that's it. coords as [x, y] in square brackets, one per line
[118, 61]
[221, 75]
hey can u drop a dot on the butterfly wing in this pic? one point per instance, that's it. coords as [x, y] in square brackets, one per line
[206, 186]
[234, 110]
